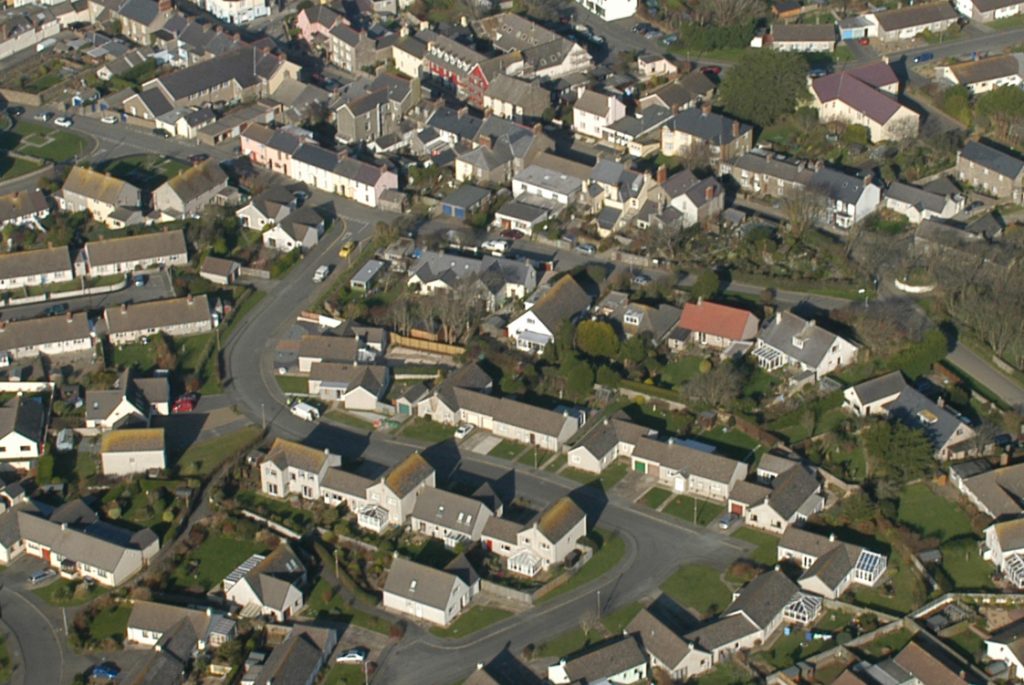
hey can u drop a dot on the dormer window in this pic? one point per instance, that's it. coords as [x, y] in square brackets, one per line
[798, 342]
[632, 318]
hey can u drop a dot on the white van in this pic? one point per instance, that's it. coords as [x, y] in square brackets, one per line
[306, 412]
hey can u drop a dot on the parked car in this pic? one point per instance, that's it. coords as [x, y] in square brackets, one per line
[321, 273]
[63, 122]
[818, 72]
[185, 403]
[597, 40]
[495, 247]
[43, 116]
[56, 309]
[306, 412]
[356, 655]
[140, 280]
[462, 431]
[670, 39]
[107, 670]
[711, 70]
[161, 133]
[727, 520]
[641, 280]
[512, 234]
[197, 158]
[864, 41]
[642, 27]
[924, 57]
[15, 111]
[109, 119]
[40, 576]
[586, 248]
[654, 35]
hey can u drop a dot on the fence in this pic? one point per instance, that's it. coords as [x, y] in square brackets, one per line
[25, 386]
[320, 319]
[249, 272]
[276, 527]
[66, 294]
[427, 345]
[507, 593]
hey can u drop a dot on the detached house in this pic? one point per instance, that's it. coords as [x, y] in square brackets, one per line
[922, 204]
[791, 497]
[866, 96]
[803, 37]
[451, 518]
[787, 340]
[299, 230]
[429, 594]
[189, 192]
[150, 621]
[532, 330]
[991, 171]
[128, 451]
[35, 267]
[290, 468]
[390, 501]
[997, 493]
[544, 542]
[668, 649]
[22, 432]
[687, 470]
[722, 137]
[268, 585]
[829, 567]
[593, 112]
[132, 253]
[717, 326]
[352, 386]
[618, 660]
[179, 317]
[109, 200]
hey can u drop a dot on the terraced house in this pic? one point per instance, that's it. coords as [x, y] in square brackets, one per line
[183, 316]
[50, 336]
[131, 253]
[35, 267]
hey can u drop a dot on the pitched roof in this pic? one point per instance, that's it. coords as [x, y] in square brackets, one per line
[100, 403]
[559, 518]
[988, 69]
[687, 459]
[132, 440]
[791, 490]
[564, 300]
[419, 583]
[246, 66]
[372, 378]
[197, 180]
[147, 246]
[799, 33]
[48, 329]
[1010, 535]
[406, 475]
[916, 197]
[763, 598]
[609, 658]
[449, 510]
[98, 186]
[1000, 491]
[218, 266]
[915, 15]
[513, 412]
[781, 331]
[22, 203]
[718, 319]
[991, 158]
[722, 631]
[289, 454]
[156, 314]
[889, 385]
[857, 94]
[660, 641]
[159, 618]
[345, 482]
[594, 103]
[926, 667]
[272, 578]
[329, 348]
[293, 662]
[708, 126]
[24, 416]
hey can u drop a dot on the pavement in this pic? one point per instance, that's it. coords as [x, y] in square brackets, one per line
[158, 287]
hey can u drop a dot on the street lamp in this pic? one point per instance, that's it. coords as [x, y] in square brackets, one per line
[864, 292]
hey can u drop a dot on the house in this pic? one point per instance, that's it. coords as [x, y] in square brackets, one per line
[788, 340]
[610, 10]
[367, 275]
[516, 99]
[390, 501]
[921, 204]
[183, 316]
[301, 229]
[594, 111]
[378, 111]
[791, 497]
[991, 171]
[686, 469]
[464, 201]
[865, 96]
[237, 12]
[667, 649]
[1007, 645]
[545, 541]
[290, 468]
[126, 451]
[891, 397]
[520, 216]
[50, 336]
[700, 129]
[459, 69]
[504, 669]
[108, 200]
[35, 267]
[618, 660]
[186, 194]
[829, 567]
[354, 387]
[909, 22]
[532, 330]
[148, 622]
[497, 150]
[269, 585]
[848, 200]
[131, 401]
[530, 50]
[989, 10]
[997, 493]
[538, 181]
[685, 92]
[350, 349]
[1004, 547]
[220, 271]
[651, 66]
[982, 75]
[139, 19]
[915, 664]
[655, 323]
[133, 253]
[718, 326]
[606, 442]
[344, 488]
[803, 37]
[299, 658]
[24, 208]
[433, 595]
[449, 517]
[22, 431]
[267, 208]
[74, 541]
[698, 201]
[769, 174]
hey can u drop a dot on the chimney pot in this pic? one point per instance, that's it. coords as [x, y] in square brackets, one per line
[705, 107]
[831, 537]
[709, 192]
[190, 299]
[662, 174]
[124, 307]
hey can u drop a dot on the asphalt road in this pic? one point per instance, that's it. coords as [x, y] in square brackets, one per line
[158, 287]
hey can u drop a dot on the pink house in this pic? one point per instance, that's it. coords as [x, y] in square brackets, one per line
[317, 20]
[269, 148]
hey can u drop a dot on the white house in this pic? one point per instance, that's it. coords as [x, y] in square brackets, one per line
[48, 335]
[790, 341]
[606, 442]
[616, 661]
[688, 470]
[667, 649]
[921, 204]
[132, 401]
[556, 186]
[132, 450]
[1007, 645]
[22, 431]
[593, 112]
[237, 12]
[35, 267]
[432, 595]
[610, 10]
[133, 253]
[268, 585]
[791, 497]
[149, 621]
[390, 501]
[290, 468]
[537, 546]
[1004, 547]
[989, 10]
[454, 519]
[351, 386]
[182, 316]
[830, 567]
[982, 75]
[536, 327]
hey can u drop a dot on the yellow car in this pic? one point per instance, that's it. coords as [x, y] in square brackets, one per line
[346, 249]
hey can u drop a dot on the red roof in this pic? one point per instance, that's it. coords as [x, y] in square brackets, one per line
[716, 319]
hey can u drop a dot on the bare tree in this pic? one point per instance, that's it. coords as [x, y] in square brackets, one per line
[401, 313]
[803, 209]
[716, 387]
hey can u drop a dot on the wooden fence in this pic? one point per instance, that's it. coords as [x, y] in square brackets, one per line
[427, 345]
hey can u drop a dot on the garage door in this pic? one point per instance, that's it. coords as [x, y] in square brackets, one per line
[679, 484]
[737, 509]
[639, 467]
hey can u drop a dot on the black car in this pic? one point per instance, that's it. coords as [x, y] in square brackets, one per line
[56, 309]
[15, 111]
[196, 159]
[160, 132]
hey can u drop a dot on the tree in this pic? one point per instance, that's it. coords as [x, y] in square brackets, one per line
[715, 388]
[597, 339]
[1002, 109]
[898, 453]
[956, 102]
[165, 356]
[707, 285]
[764, 85]
[803, 208]
[578, 377]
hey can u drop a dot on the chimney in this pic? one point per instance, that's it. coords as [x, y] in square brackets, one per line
[190, 299]
[941, 402]
[735, 129]
[709, 192]
[777, 567]
[700, 300]
[479, 665]
[538, 128]
[831, 537]
[64, 526]
[124, 307]
[778, 317]
[70, 317]
[705, 107]
[662, 174]
[675, 109]
[868, 179]
[461, 112]
[485, 141]
[165, 5]
[209, 611]
[1004, 458]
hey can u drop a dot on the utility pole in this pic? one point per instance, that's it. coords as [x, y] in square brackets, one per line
[599, 604]
[263, 415]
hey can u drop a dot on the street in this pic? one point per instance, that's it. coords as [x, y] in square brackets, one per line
[158, 287]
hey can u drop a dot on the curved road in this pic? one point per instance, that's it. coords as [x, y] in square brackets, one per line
[40, 648]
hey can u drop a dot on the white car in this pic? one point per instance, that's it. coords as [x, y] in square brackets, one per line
[63, 122]
[462, 431]
[321, 273]
[40, 576]
[109, 119]
[356, 655]
[495, 247]
[306, 412]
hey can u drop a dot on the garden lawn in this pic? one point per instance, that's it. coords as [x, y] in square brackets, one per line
[45, 142]
[616, 621]
[968, 643]
[890, 643]
[604, 560]
[789, 649]
[350, 420]
[931, 514]
[218, 555]
[730, 442]
[12, 167]
[692, 510]
[557, 463]
[966, 569]
[566, 643]
[727, 673]
[293, 385]
[142, 357]
[766, 552]
[680, 370]
[908, 589]
[425, 430]
[111, 623]
[338, 609]
[290, 517]
[507, 449]
[476, 618]
[655, 497]
[613, 474]
[345, 674]
[203, 458]
[699, 588]
[50, 593]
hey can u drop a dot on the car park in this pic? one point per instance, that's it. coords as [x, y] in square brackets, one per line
[43, 575]
[63, 122]
[462, 431]
[356, 655]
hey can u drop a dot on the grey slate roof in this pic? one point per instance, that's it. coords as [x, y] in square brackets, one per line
[604, 660]
[147, 246]
[24, 416]
[466, 196]
[780, 332]
[419, 583]
[512, 412]
[916, 197]
[143, 316]
[666, 645]
[712, 127]
[272, 577]
[763, 598]
[993, 159]
[448, 509]
[879, 388]
[722, 632]
[838, 185]
[916, 410]
[687, 459]
[293, 662]
[564, 300]
[791, 490]
[48, 329]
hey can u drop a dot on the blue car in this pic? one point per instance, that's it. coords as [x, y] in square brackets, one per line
[105, 671]
[924, 57]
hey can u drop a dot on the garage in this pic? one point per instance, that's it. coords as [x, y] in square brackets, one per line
[639, 467]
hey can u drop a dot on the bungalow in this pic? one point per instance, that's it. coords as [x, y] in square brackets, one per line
[545, 541]
[829, 566]
[866, 96]
[684, 93]
[24, 208]
[520, 216]
[148, 622]
[453, 519]
[268, 585]
[132, 401]
[50, 336]
[74, 541]
[997, 493]
[989, 10]
[390, 501]
[906, 23]
[790, 498]
[109, 200]
[290, 468]
[132, 253]
[532, 330]
[668, 649]
[688, 470]
[721, 137]
[717, 326]
[654, 323]
[788, 340]
[504, 669]
[651, 66]
[500, 279]
[354, 387]
[178, 317]
[1004, 547]
[333, 348]
[891, 397]
[22, 431]
[433, 595]
[618, 660]
[128, 451]
[554, 186]
[186, 194]
[593, 112]
[991, 171]
[982, 75]
[803, 37]
[922, 204]
[609, 440]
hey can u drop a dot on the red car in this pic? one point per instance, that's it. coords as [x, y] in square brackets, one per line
[863, 41]
[185, 403]
[712, 71]
[512, 234]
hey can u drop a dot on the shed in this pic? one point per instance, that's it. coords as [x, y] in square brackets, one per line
[364, 278]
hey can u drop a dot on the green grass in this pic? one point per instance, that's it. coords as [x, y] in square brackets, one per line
[142, 357]
[908, 591]
[966, 569]
[344, 674]
[507, 449]
[203, 458]
[285, 514]
[111, 623]
[730, 442]
[218, 555]
[476, 618]
[293, 385]
[568, 642]
[425, 430]
[766, 551]
[1014, 22]
[616, 621]
[51, 593]
[336, 608]
[72, 467]
[932, 515]
[603, 561]
[350, 420]
[727, 673]
[655, 497]
[968, 643]
[680, 370]
[43, 142]
[613, 474]
[12, 167]
[790, 649]
[890, 643]
[557, 463]
[699, 588]
[692, 510]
